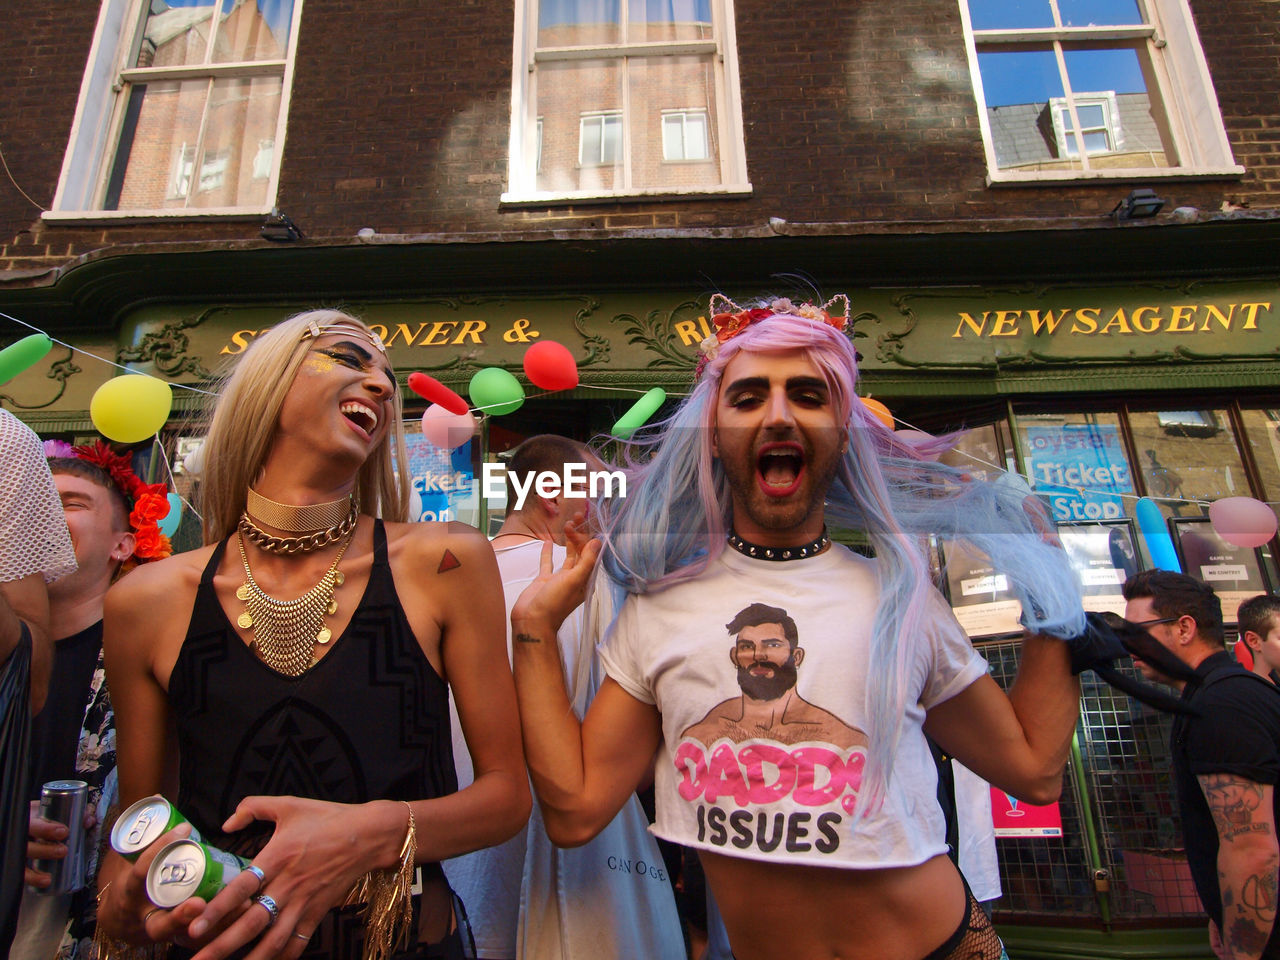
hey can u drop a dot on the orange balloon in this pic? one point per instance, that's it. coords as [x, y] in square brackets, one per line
[878, 410]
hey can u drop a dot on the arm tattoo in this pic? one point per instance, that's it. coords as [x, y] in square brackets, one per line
[527, 638]
[1233, 801]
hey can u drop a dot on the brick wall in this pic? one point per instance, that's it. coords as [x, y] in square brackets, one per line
[399, 121]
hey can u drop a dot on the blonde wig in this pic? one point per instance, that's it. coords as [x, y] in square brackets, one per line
[243, 425]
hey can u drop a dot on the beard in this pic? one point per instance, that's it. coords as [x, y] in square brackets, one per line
[771, 687]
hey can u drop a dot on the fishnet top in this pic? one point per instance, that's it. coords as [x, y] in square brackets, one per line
[33, 531]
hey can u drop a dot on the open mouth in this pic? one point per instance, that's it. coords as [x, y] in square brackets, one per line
[360, 416]
[779, 468]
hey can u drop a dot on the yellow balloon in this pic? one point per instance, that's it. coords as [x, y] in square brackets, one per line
[131, 408]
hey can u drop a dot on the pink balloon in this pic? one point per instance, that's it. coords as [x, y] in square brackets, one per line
[447, 430]
[1243, 521]
[551, 366]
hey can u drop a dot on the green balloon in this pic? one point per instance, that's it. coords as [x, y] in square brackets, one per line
[27, 352]
[496, 391]
[639, 414]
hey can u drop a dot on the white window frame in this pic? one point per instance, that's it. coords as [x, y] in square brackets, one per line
[524, 156]
[1182, 85]
[591, 118]
[1074, 146]
[684, 116]
[104, 95]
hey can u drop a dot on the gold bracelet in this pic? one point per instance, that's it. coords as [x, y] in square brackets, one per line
[387, 898]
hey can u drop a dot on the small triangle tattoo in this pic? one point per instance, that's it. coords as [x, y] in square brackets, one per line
[448, 562]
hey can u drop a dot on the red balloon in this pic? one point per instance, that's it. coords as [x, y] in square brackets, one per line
[429, 388]
[551, 366]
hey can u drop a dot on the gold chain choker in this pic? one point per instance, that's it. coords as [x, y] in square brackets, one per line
[285, 632]
[290, 545]
[305, 519]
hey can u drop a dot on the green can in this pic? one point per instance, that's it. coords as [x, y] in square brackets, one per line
[188, 868]
[143, 823]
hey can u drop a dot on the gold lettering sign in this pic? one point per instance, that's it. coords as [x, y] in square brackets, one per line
[1087, 321]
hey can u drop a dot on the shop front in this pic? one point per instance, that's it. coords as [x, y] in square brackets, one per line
[1099, 395]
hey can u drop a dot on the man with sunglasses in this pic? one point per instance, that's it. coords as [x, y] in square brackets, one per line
[1226, 762]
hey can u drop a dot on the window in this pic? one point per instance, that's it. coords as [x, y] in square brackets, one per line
[1076, 89]
[593, 91]
[684, 135]
[600, 139]
[174, 87]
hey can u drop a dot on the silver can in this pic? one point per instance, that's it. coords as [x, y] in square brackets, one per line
[65, 802]
[142, 823]
[187, 868]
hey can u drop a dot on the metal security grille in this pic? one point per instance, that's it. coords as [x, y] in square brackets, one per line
[1120, 857]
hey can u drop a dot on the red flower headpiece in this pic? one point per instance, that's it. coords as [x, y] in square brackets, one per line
[150, 501]
[731, 319]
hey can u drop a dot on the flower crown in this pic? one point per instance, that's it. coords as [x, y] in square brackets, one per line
[150, 501]
[731, 319]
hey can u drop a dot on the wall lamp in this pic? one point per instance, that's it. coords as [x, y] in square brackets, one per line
[279, 228]
[1138, 205]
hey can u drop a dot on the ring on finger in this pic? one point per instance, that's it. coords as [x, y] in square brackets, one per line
[272, 908]
[257, 872]
[148, 915]
[304, 937]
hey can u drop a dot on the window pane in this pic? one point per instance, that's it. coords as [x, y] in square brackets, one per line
[611, 139]
[1262, 429]
[673, 137]
[154, 161]
[253, 30]
[695, 136]
[1096, 142]
[1008, 14]
[1188, 456]
[242, 114]
[1140, 134]
[566, 23]
[1077, 461]
[1018, 86]
[1099, 13]
[176, 34]
[656, 85]
[568, 93]
[1091, 115]
[655, 20]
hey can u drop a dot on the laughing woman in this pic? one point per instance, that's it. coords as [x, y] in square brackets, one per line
[312, 735]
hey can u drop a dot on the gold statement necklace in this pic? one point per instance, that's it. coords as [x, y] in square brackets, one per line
[319, 524]
[285, 632]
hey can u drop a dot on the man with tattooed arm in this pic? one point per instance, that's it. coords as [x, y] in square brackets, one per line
[1226, 761]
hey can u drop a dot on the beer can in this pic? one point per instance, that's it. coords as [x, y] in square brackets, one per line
[142, 823]
[188, 868]
[64, 802]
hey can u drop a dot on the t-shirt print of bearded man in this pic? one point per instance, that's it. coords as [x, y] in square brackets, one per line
[767, 655]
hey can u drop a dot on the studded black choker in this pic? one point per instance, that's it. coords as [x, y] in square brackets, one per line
[748, 549]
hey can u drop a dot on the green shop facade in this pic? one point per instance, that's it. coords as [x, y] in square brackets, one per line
[1099, 392]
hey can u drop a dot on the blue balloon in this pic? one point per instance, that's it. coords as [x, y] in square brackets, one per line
[1155, 534]
[168, 524]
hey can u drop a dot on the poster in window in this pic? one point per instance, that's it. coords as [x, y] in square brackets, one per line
[980, 597]
[442, 482]
[1235, 573]
[1081, 468]
[1104, 555]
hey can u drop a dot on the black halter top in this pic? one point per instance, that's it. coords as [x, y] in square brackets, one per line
[369, 721]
